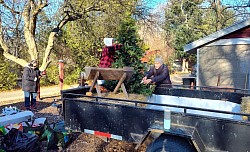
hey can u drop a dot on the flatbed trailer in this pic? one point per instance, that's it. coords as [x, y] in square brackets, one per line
[171, 131]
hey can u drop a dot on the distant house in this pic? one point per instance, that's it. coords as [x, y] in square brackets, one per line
[223, 58]
[149, 54]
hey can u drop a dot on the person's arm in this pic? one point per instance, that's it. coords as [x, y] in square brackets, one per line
[147, 79]
[38, 73]
[150, 73]
[110, 50]
[162, 76]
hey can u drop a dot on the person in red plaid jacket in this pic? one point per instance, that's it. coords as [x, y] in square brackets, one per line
[108, 53]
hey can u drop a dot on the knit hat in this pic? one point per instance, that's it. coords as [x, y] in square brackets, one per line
[108, 41]
[159, 60]
[32, 63]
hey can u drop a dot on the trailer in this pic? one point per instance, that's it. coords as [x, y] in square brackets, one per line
[169, 128]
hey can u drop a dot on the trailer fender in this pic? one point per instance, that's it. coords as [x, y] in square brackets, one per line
[170, 143]
[149, 136]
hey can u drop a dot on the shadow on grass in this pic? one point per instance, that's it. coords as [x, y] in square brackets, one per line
[41, 104]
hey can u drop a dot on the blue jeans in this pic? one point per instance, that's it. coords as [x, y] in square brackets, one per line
[30, 99]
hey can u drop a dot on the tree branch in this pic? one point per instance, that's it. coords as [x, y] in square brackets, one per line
[36, 10]
[29, 32]
[39, 9]
[6, 53]
[51, 40]
[10, 9]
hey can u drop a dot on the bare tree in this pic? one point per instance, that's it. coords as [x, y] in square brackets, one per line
[21, 19]
[153, 34]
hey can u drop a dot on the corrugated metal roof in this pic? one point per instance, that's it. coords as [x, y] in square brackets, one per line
[216, 35]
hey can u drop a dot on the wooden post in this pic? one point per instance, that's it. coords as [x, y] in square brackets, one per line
[61, 74]
[218, 81]
[38, 97]
[246, 80]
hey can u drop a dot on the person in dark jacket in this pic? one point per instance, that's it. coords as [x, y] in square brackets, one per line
[157, 74]
[31, 75]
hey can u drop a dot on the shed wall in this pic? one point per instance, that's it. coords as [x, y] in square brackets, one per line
[225, 65]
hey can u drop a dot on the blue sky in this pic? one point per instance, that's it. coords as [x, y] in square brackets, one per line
[154, 3]
[160, 1]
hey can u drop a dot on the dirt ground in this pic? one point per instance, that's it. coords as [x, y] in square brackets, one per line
[80, 142]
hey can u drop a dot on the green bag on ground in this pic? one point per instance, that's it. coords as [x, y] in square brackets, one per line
[56, 135]
[2, 130]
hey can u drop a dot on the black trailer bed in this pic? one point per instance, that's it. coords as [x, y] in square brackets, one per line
[130, 122]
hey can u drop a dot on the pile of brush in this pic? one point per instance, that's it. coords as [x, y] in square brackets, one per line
[245, 107]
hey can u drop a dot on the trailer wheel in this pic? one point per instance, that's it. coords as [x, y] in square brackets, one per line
[170, 144]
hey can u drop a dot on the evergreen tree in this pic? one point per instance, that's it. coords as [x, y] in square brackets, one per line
[130, 55]
[187, 21]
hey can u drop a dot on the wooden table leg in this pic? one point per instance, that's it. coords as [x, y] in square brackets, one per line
[94, 82]
[124, 90]
[121, 84]
[98, 90]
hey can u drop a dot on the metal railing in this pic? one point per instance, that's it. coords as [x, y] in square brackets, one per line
[136, 103]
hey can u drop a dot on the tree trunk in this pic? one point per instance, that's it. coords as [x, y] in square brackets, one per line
[184, 65]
